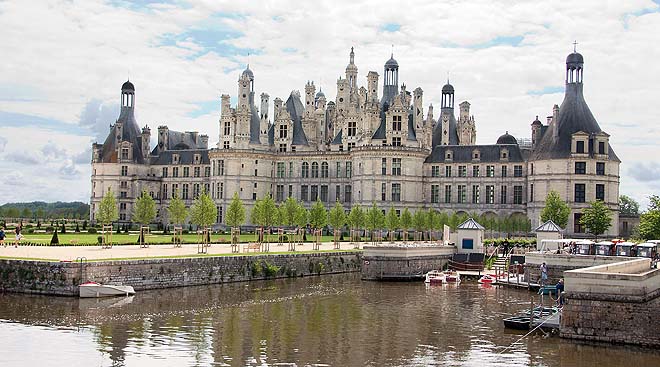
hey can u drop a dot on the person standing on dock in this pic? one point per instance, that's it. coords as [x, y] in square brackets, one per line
[560, 292]
[544, 274]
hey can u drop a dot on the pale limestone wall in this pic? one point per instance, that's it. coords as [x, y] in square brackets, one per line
[477, 237]
[541, 236]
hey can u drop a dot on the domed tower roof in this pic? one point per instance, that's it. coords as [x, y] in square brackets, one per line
[507, 139]
[575, 58]
[537, 121]
[320, 94]
[128, 86]
[391, 63]
[247, 72]
[448, 88]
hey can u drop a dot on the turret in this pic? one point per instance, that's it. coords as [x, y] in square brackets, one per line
[163, 138]
[418, 108]
[310, 89]
[536, 131]
[372, 88]
[391, 82]
[263, 126]
[146, 137]
[351, 72]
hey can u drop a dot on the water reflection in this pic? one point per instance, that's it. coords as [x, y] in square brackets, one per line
[330, 320]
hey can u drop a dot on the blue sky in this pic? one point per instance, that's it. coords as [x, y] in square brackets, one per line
[64, 62]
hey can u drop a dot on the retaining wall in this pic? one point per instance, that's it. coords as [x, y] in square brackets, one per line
[62, 278]
[559, 263]
[403, 262]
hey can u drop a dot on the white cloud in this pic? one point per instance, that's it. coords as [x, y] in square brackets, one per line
[80, 52]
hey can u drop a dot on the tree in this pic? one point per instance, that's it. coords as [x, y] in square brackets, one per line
[236, 212]
[63, 228]
[406, 223]
[649, 221]
[290, 211]
[177, 210]
[318, 217]
[628, 206]
[597, 218]
[302, 218]
[356, 219]
[26, 213]
[39, 213]
[555, 210]
[374, 220]
[203, 212]
[453, 221]
[268, 212]
[145, 209]
[108, 212]
[392, 222]
[419, 222]
[337, 219]
[434, 222]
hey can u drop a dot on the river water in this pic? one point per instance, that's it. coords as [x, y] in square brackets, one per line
[334, 320]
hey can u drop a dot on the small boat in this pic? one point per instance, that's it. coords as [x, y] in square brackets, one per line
[548, 290]
[517, 322]
[93, 289]
[452, 276]
[487, 279]
[435, 277]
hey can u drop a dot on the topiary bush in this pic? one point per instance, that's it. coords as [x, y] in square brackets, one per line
[55, 240]
[91, 230]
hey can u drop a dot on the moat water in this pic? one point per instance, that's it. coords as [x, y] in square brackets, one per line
[333, 320]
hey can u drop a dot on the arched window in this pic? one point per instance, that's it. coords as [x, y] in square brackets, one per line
[324, 169]
[315, 170]
[305, 170]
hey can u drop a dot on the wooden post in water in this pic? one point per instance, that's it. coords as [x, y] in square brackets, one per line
[531, 311]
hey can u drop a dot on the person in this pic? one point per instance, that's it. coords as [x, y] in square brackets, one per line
[560, 292]
[17, 230]
[544, 273]
[2, 237]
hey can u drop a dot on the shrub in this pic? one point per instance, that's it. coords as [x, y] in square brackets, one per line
[77, 228]
[126, 228]
[55, 240]
[50, 229]
[99, 238]
[91, 230]
[63, 228]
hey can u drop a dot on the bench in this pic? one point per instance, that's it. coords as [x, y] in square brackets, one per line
[252, 246]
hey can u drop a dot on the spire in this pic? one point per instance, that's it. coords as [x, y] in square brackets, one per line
[575, 46]
[352, 56]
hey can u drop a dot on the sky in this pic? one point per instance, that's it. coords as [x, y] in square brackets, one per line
[63, 64]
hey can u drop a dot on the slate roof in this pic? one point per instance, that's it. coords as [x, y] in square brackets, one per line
[411, 128]
[296, 109]
[338, 139]
[487, 153]
[255, 122]
[178, 140]
[380, 132]
[507, 139]
[437, 130]
[185, 157]
[130, 132]
[548, 226]
[470, 224]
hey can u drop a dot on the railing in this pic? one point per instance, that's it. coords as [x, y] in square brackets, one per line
[465, 266]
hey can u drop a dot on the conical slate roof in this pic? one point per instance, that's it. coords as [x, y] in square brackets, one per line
[471, 224]
[548, 226]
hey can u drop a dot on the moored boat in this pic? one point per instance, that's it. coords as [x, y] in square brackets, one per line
[93, 289]
[435, 277]
[452, 276]
[517, 322]
[487, 279]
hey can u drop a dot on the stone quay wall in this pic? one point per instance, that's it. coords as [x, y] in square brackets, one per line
[403, 263]
[63, 278]
[559, 263]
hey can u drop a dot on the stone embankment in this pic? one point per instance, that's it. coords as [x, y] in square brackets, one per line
[63, 278]
[403, 261]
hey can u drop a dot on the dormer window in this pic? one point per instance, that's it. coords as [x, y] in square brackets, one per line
[449, 155]
[475, 154]
[124, 153]
[197, 158]
[579, 146]
[175, 159]
[504, 154]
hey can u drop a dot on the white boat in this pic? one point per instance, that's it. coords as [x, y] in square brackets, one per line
[93, 289]
[452, 276]
[487, 279]
[435, 277]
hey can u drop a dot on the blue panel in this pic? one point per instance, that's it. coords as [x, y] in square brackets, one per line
[468, 243]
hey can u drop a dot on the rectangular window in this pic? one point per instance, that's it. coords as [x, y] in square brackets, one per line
[580, 168]
[396, 123]
[123, 184]
[447, 171]
[225, 145]
[124, 170]
[504, 169]
[219, 190]
[324, 193]
[195, 191]
[349, 169]
[164, 195]
[348, 190]
[122, 206]
[352, 128]
[517, 171]
[490, 194]
[503, 195]
[124, 153]
[579, 146]
[303, 192]
[462, 171]
[186, 171]
[207, 171]
[517, 195]
[447, 193]
[475, 194]
[175, 171]
[284, 131]
[600, 168]
[184, 195]
[396, 142]
[490, 171]
[600, 192]
[475, 171]
[280, 169]
[290, 169]
[337, 193]
[175, 190]
[383, 166]
[164, 172]
[396, 166]
[338, 169]
[221, 167]
[324, 170]
[122, 194]
[462, 194]
[435, 171]
[279, 193]
[314, 193]
[383, 191]
[396, 192]
[579, 193]
[531, 192]
[290, 191]
[435, 193]
[196, 171]
[351, 146]
[577, 225]
[601, 147]
[227, 129]
[283, 148]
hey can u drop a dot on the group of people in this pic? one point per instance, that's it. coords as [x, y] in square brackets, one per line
[17, 238]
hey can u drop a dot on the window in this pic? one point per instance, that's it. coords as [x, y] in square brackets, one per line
[315, 170]
[503, 195]
[577, 225]
[461, 194]
[122, 216]
[279, 193]
[184, 195]
[475, 194]
[290, 169]
[164, 195]
[435, 171]
[197, 158]
[303, 192]
[579, 193]
[447, 171]
[283, 148]
[347, 193]
[504, 169]
[383, 191]
[220, 190]
[490, 194]
[396, 141]
[338, 193]
[123, 184]
[207, 171]
[314, 193]
[175, 190]
[580, 168]
[579, 147]
[186, 171]
[221, 167]
[122, 206]
[175, 171]
[396, 166]
[254, 196]
[517, 171]
[396, 123]
[349, 169]
[196, 171]
[383, 166]
[290, 190]
[284, 131]
[124, 153]
[225, 145]
[256, 172]
[600, 192]
[338, 169]
[352, 128]
[490, 171]
[324, 169]
[324, 193]
[435, 193]
[601, 147]
[227, 128]
[517, 195]
[396, 192]
[305, 170]
[122, 194]
[475, 171]
[447, 193]
[124, 170]
[600, 168]
[195, 191]
[462, 171]
[531, 192]
[280, 169]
